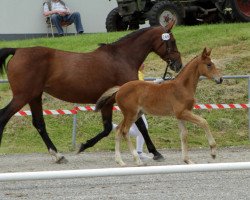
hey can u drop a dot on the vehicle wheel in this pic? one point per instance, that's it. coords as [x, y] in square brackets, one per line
[241, 10]
[134, 25]
[114, 22]
[160, 11]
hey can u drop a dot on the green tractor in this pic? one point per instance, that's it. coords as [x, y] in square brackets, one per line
[131, 13]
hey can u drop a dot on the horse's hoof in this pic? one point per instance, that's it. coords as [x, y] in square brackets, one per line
[81, 149]
[62, 160]
[189, 162]
[141, 164]
[122, 164]
[159, 158]
[213, 156]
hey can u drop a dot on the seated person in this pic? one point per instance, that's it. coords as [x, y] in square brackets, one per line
[59, 12]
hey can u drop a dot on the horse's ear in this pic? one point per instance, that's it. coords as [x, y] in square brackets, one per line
[170, 24]
[209, 52]
[206, 53]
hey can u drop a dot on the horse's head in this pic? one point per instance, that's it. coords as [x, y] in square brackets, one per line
[207, 68]
[167, 49]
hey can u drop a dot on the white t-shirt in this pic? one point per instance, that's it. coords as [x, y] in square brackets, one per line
[54, 6]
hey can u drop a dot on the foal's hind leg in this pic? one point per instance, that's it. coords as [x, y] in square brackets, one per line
[107, 123]
[39, 124]
[118, 157]
[151, 148]
[122, 130]
[133, 151]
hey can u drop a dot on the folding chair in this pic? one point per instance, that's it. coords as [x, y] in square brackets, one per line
[51, 26]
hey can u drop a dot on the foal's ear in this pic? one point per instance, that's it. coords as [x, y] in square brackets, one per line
[206, 53]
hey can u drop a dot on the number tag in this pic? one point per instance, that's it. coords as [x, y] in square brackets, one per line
[165, 36]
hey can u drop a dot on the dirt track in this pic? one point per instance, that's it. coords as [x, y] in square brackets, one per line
[43, 162]
[212, 185]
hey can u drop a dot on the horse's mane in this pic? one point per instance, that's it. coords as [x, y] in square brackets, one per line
[134, 34]
[186, 66]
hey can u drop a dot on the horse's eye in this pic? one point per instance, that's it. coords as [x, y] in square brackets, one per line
[209, 65]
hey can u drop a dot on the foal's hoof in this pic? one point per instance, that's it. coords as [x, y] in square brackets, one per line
[141, 164]
[158, 158]
[213, 152]
[122, 164]
[189, 162]
[62, 160]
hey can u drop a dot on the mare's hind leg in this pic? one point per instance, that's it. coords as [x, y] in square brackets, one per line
[184, 147]
[107, 123]
[7, 112]
[151, 148]
[39, 124]
[189, 116]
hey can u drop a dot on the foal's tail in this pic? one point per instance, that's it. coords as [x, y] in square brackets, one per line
[106, 98]
[4, 53]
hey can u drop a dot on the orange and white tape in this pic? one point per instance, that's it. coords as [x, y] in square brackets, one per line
[48, 112]
[91, 108]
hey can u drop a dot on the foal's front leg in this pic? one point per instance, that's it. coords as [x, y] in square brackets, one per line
[189, 116]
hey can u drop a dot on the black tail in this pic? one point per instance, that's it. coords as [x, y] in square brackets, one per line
[4, 53]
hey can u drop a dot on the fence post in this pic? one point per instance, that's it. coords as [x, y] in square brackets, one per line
[74, 130]
[249, 108]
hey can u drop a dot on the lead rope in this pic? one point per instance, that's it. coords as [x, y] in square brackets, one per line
[167, 75]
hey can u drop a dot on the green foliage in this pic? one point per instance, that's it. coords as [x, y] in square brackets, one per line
[231, 53]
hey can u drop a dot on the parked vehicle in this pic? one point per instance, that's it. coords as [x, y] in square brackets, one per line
[131, 13]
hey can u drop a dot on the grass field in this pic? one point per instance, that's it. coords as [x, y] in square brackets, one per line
[231, 53]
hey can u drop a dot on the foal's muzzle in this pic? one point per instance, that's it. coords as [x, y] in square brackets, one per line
[218, 80]
[175, 65]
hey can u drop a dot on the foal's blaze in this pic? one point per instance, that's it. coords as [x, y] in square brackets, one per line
[171, 98]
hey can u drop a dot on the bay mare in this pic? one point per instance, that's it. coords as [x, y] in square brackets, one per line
[175, 98]
[81, 77]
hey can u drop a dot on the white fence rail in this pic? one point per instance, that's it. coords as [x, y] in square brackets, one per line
[69, 174]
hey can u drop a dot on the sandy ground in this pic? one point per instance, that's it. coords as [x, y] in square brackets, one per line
[190, 186]
[87, 160]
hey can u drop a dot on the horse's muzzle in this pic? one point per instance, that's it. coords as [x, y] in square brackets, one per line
[218, 80]
[175, 65]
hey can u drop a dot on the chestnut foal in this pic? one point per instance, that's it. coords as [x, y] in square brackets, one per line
[174, 98]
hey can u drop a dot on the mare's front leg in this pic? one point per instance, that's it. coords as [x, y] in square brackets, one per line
[184, 146]
[201, 122]
[39, 124]
[151, 148]
[107, 123]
